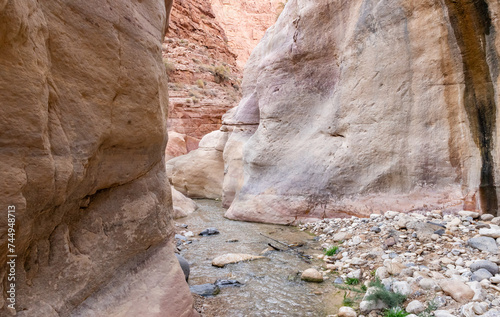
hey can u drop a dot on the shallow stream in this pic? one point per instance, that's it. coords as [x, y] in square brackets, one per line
[272, 286]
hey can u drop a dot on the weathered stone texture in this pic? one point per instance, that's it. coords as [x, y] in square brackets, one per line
[366, 107]
[83, 129]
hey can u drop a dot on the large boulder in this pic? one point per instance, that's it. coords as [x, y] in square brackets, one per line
[364, 108]
[183, 206]
[83, 120]
[200, 173]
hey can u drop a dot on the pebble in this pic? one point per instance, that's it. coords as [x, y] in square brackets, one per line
[346, 312]
[401, 287]
[495, 279]
[484, 244]
[312, 275]
[466, 213]
[484, 264]
[338, 280]
[209, 232]
[205, 289]
[487, 217]
[375, 229]
[457, 289]
[415, 306]
[429, 284]
[480, 275]
[495, 221]
[490, 232]
[443, 313]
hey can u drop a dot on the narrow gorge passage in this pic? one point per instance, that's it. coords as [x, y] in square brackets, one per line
[471, 23]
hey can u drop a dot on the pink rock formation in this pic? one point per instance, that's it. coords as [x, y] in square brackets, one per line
[364, 108]
[83, 121]
[245, 22]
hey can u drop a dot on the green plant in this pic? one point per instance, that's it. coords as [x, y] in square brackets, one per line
[347, 301]
[391, 299]
[363, 287]
[376, 283]
[431, 306]
[352, 281]
[332, 250]
[395, 312]
[349, 288]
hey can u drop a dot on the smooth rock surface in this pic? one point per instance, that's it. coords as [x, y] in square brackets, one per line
[342, 94]
[415, 307]
[183, 206]
[83, 113]
[200, 173]
[347, 312]
[230, 258]
[312, 275]
[481, 274]
[484, 244]
[484, 264]
[458, 290]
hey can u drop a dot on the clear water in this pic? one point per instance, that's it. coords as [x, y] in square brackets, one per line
[271, 286]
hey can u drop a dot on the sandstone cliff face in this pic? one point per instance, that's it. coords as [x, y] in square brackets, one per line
[83, 121]
[204, 81]
[364, 107]
[206, 47]
[245, 22]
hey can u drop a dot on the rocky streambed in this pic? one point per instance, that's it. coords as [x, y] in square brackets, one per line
[442, 265]
[427, 264]
[271, 285]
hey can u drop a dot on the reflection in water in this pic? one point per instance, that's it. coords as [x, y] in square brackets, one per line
[271, 286]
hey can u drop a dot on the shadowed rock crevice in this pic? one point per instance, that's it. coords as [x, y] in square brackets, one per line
[471, 25]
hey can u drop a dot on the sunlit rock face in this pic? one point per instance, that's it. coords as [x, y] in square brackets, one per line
[83, 120]
[363, 107]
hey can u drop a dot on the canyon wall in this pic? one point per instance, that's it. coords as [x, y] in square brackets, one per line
[83, 128]
[205, 50]
[355, 107]
[204, 81]
[245, 22]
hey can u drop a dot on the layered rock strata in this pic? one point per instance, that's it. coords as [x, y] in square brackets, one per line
[83, 117]
[364, 108]
[204, 81]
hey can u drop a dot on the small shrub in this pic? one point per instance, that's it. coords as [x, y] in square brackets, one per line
[347, 301]
[332, 250]
[200, 83]
[364, 288]
[395, 312]
[352, 281]
[431, 306]
[169, 67]
[376, 283]
[221, 73]
[391, 299]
